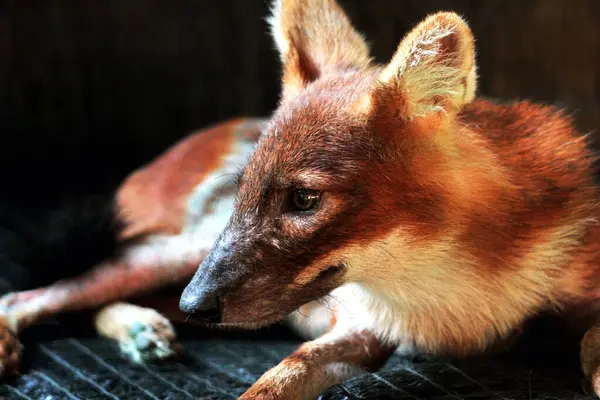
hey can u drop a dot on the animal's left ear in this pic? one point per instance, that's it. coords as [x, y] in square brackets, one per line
[433, 69]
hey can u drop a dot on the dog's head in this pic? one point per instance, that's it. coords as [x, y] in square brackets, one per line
[352, 153]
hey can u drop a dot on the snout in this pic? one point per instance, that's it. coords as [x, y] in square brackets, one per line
[194, 300]
[215, 277]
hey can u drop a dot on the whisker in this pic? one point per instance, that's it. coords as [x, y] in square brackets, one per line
[325, 303]
[301, 313]
[380, 247]
[339, 302]
[224, 175]
[233, 164]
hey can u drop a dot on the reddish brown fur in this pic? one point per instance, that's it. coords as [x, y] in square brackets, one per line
[360, 349]
[153, 199]
[538, 167]
[154, 252]
[526, 193]
[550, 170]
[498, 198]
[523, 164]
[406, 161]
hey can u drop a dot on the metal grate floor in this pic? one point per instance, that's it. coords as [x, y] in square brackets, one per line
[85, 367]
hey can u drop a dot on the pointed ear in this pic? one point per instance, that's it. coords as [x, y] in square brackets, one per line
[433, 69]
[314, 37]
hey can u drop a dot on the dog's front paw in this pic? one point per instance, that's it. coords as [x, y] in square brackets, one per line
[262, 393]
[10, 351]
[150, 338]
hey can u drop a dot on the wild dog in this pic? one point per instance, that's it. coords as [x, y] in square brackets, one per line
[424, 219]
[167, 216]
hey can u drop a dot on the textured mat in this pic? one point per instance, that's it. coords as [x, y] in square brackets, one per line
[222, 367]
[86, 367]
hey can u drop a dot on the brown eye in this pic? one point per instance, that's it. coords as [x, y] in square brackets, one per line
[305, 199]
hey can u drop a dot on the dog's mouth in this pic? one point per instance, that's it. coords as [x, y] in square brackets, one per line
[331, 272]
[245, 310]
[211, 316]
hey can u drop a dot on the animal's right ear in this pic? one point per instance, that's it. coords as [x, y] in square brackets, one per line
[314, 37]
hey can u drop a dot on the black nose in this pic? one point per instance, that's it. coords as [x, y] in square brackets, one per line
[216, 276]
[205, 309]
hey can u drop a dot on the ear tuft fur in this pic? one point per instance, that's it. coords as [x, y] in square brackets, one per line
[434, 67]
[314, 37]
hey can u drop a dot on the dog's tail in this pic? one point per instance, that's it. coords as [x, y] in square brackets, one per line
[38, 247]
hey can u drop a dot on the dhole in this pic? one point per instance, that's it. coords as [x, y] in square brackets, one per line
[384, 208]
[393, 209]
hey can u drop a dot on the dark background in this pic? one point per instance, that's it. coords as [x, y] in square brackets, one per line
[90, 89]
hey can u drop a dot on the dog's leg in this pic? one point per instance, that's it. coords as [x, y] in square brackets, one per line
[316, 365]
[590, 357]
[142, 269]
[100, 286]
[10, 350]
